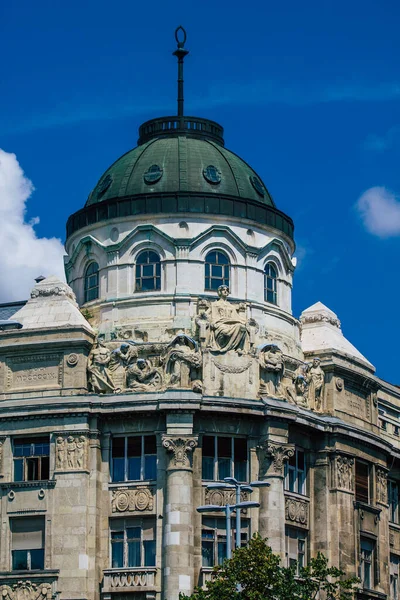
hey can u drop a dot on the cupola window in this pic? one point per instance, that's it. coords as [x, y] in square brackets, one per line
[148, 271]
[216, 270]
[153, 174]
[270, 283]
[212, 174]
[257, 185]
[104, 185]
[92, 282]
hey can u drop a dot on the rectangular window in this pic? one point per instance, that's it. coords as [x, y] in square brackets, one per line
[393, 498]
[362, 481]
[295, 473]
[394, 577]
[31, 459]
[133, 543]
[213, 539]
[367, 563]
[134, 458]
[296, 548]
[27, 543]
[224, 456]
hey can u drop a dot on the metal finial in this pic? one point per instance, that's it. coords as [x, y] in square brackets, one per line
[180, 53]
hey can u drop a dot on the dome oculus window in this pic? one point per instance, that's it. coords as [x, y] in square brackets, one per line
[212, 174]
[217, 267]
[153, 174]
[270, 281]
[148, 272]
[104, 185]
[257, 185]
[92, 282]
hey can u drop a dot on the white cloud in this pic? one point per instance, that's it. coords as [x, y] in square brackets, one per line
[23, 255]
[380, 143]
[380, 211]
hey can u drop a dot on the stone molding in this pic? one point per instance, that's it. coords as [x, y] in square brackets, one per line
[26, 590]
[223, 497]
[344, 472]
[57, 289]
[296, 511]
[277, 453]
[128, 500]
[381, 485]
[2, 440]
[71, 450]
[180, 447]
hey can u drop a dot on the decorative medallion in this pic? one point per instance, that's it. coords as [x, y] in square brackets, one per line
[72, 359]
[134, 499]
[212, 174]
[104, 185]
[339, 384]
[257, 185]
[153, 174]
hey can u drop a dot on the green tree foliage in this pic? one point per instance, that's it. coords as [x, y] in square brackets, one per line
[254, 573]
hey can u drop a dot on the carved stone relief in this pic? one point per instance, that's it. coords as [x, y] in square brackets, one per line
[26, 590]
[344, 472]
[71, 452]
[296, 511]
[129, 500]
[223, 497]
[272, 368]
[180, 448]
[34, 371]
[274, 456]
[381, 485]
[182, 361]
[315, 379]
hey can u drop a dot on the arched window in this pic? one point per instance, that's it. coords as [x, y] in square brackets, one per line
[148, 271]
[92, 282]
[216, 270]
[270, 280]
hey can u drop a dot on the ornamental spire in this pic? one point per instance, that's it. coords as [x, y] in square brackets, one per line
[180, 53]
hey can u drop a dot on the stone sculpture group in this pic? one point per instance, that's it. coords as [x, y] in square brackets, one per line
[224, 333]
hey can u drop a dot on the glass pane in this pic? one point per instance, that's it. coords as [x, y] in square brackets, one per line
[133, 533]
[37, 559]
[117, 555]
[44, 468]
[221, 551]
[216, 271]
[32, 469]
[19, 560]
[118, 469]
[208, 445]
[133, 554]
[118, 447]
[208, 468]
[222, 259]
[150, 467]
[211, 257]
[148, 271]
[224, 468]
[241, 471]
[300, 460]
[207, 553]
[215, 283]
[149, 553]
[142, 258]
[150, 445]
[19, 469]
[134, 465]
[153, 257]
[135, 446]
[224, 447]
[240, 448]
[148, 284]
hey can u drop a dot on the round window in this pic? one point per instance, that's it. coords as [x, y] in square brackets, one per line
[257, 185]
[104, 185]
[153, 174]
[212, 174]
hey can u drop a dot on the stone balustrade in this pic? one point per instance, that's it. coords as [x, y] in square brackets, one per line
[124, 579]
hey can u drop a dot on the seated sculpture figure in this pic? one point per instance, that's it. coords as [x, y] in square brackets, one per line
[100, 379]
[229, 329]
[143, 377]
[181, 360]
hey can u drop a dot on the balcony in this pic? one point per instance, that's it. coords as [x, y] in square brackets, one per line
[139, 580]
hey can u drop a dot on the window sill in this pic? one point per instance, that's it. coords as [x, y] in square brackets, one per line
[368, 507]
[296, 495]
[34, 574]
[129, 484]
[45, 483]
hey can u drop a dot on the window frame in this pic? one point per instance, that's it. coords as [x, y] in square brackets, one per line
[273, 279]
[394, 568]
[208, 271]
[219, 537]
[216, 458]
[367, 564]
[293, 473]
[31, 458]
[359, 496]
[126, 457]
[89, 288]
[301, 535]
[133, 523]
[156, 271]
[394, 501]
[28, 551]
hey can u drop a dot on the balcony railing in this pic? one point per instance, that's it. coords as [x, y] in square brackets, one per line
[139, 578]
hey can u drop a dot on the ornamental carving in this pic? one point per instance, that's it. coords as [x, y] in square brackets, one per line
[381, 486]
[58, 288]
[223, 497]
[272, 369]
[139, 498]
[296, 511]
[320, 318]
[344, 472]
[275, 455]
[26, 590]
[182, 361]
[71, 452]
[180, 447]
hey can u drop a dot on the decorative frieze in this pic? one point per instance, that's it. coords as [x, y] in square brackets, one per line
[71, 451]
[26, 590]
[223, 497]
[296, 511]
[344, 472]
[180, 448]
[129, 500]
[381, 485]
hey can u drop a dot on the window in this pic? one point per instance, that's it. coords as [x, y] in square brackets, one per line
[27, 543]
[394, 577]
[133, 543]
[366, 562]
[92, 282]
[362, 481]
[295, 473]
[31, 459]
[270, 283]
[216, 270]
[134, 458]
[213, 539]
[393, 498]
[148, 271]
[224, 457]
[296, 547]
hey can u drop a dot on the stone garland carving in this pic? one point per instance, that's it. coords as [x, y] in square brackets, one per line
[277, 454]
[317, 318]
[57, 289]
[272, 368]
[71, 452]
[223, 497]
[180, 447]
[26, 590]
[139, 498]
[296, 511]
[344, 472]
[381, 486]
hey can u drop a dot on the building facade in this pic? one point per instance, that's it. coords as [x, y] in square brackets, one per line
[171, 360]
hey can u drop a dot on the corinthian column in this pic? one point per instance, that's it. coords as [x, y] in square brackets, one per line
[178, 524]
[272, 499]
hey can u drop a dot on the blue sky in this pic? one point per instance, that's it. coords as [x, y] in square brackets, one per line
[308, 94]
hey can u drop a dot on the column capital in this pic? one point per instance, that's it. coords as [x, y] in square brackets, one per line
[180, 447]
[275, 454]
